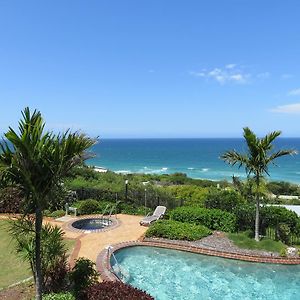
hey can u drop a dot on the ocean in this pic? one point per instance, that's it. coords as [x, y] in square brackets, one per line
[198, 158]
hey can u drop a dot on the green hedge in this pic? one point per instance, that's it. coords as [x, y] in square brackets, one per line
[175, 230]
[89, 206]
[214, 219]
[223, 199]
[272, 216]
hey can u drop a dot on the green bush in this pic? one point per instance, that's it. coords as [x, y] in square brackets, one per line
[175, 230]
[245, 216]
[59, 296]
[189, 194]
[272, 216]
[11, 199]
[83, 275]
[283, 252]
[223, 199]
[115, 290]
[89, 206]
[277, 223]
[214, 219]
[54, 261]
[283, 233]
[54, 214]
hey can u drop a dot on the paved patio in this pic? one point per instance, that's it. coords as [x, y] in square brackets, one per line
[89, 245]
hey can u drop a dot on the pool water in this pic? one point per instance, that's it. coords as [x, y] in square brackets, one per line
[171, 274]
[92, 223]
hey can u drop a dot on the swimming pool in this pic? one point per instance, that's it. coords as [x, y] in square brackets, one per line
[92, 223]
[172, 274]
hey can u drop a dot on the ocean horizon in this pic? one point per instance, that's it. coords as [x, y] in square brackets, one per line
[196, 157]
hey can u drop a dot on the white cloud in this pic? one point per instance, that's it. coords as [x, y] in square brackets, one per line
[295, 92]
[287, 109]
[264, 75]
[229, 74]
[230, 66]
[286, 76]
[197, 74]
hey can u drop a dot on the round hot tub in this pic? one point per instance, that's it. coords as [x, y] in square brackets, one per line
[95, 224]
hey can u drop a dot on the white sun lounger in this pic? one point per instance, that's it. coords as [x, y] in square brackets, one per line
[158, 214]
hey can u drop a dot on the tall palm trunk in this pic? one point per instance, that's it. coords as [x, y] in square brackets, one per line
[257, 210]
[38, 266]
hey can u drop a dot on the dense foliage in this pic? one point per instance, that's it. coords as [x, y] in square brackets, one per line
[89, 206]
[175, 230]
[223, 199]
[53, 251]
[115, 290]
[59, 296]
[189, 194]
[285, 223]
[92, 206]
[214, 219]
[283, 188]
[168, 190]
[11, 200]
[82, 276]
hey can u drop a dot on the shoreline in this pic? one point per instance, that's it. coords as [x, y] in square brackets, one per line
[101, 169]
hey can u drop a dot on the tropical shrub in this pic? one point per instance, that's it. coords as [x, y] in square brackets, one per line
[272, 216]
[214, 219]
[57, 275]
[283, 233]
[58, 296]
[11, 199]
[245, 217]
[89, 206]
[189, 194]
[175, 230]
[82, 276]
[115, 290]
[283, 188]
[53, 252]
[276, 222]
[223, 199]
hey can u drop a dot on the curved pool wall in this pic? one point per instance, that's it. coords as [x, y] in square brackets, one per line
[172, 274]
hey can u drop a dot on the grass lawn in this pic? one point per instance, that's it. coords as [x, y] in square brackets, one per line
[70, 245]
[243, 241]
[13, 269]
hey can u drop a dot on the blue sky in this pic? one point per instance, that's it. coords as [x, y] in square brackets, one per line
[152, 68]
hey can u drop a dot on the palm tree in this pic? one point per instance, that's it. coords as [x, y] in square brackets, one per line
[256, 161]
[37, 161]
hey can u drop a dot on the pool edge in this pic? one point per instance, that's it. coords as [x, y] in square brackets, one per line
[104, 267]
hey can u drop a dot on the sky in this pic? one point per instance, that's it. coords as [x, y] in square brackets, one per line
[152, 68]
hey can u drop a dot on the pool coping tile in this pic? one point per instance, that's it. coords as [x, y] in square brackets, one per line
[104, 267]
